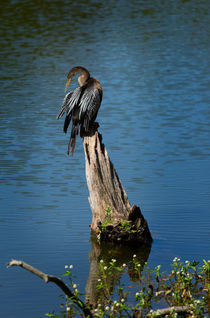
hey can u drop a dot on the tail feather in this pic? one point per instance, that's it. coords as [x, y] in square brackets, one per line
[72, 140]
[66, 123]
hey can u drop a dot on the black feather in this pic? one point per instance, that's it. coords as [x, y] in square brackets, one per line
[72, 141]
[66, 123]
[81, 105]
[65, 105]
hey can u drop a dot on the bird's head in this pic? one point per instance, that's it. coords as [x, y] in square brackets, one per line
[75, 70]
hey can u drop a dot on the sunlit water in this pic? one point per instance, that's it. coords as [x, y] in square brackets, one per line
[152, 59]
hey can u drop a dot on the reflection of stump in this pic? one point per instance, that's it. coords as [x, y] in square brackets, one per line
[107, 251]
[123, 223]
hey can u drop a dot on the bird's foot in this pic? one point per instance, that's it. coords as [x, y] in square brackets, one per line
[93, 127]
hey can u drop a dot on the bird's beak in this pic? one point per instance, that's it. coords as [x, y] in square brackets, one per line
[67, 84]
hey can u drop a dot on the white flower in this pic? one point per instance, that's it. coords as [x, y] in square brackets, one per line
[96, 310]
[139, 265]
[134, 255]
[113, 260]
[68, 309]
[137, 294]
[117, 304]
[105, 267]
[122, 300]
[76, 290]
[124, 265]
[71, 266]
[66, 266]
[175, 259]
[107, 308]
[101, 261]
[99, 280]
[186, 262]
[75, 286]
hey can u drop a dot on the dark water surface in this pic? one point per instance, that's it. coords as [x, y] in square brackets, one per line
[152, 58]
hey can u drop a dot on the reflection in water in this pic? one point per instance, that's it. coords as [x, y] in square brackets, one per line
[107, 252]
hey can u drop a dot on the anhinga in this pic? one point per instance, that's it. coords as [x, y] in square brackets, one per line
[80, 105]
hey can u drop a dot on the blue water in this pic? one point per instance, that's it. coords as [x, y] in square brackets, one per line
[152, 59]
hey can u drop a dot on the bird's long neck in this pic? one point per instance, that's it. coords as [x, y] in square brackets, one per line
[82, 79]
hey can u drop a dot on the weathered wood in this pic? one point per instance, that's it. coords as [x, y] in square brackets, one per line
[166, 311]
[106, 190]
[104, 185]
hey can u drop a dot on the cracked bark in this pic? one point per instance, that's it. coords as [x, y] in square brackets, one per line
[106, 189]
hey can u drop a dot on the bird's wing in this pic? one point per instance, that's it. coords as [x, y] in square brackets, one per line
[90, 103]
[64, 106]
[70, 100]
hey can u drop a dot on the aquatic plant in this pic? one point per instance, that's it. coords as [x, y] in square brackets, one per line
[184, 291]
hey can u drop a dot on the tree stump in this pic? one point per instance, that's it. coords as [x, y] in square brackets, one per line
[114, 219]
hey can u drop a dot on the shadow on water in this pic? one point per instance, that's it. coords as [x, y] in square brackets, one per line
[107, 252]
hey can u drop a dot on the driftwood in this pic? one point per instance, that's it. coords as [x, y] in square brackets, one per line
[106, 190]
[166, 311]
[49, 278]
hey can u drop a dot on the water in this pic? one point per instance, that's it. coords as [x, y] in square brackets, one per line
[152, 59]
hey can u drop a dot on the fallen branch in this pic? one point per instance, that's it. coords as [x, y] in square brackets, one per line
[49, 278]
[168, 310]
[87, 313]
